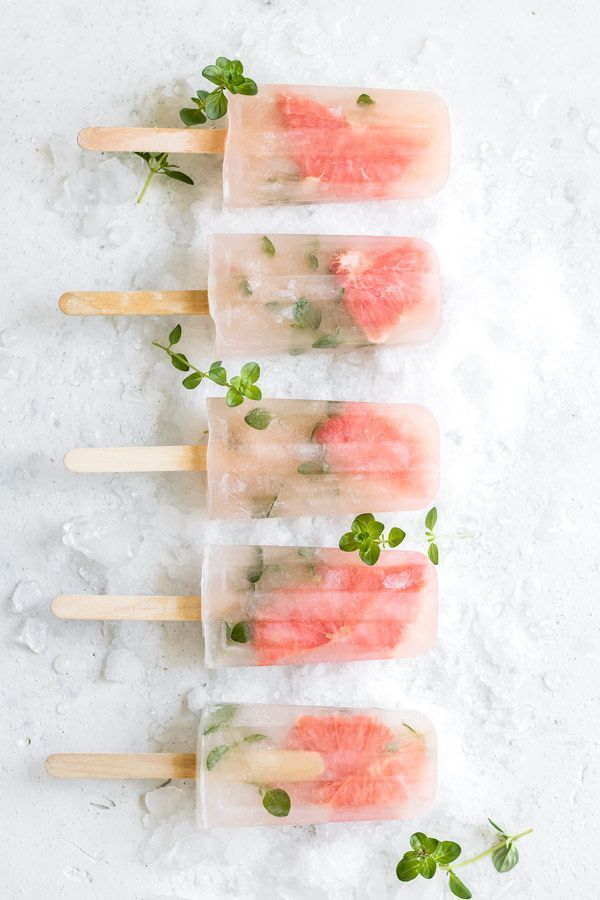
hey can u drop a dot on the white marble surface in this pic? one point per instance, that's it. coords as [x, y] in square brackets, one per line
[512, 683]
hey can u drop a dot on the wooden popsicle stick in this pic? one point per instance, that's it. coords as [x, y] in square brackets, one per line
[122, 765]
[142, 608]
[153, 140]
[137, 459]
[134, 303]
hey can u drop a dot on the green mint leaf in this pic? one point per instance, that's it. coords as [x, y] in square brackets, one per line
[446, 852]
[179, 176]
[267, 245]
[433, 554]
[312, 261]
[502, 831]
[423, 844]
[376, 529]
[277, 802]
[369, 553]
[233, 397]
[221, 715]
[312, 468]
[431, 518]
[251, 391]
[248, 87]
[192, 381]
[145, 156]
[409, 867]
[201, 95]
[241, 633]
[255, 573]
[192, 117]
[175, 336]
[506, 857]
[215, 105]
[215, 755]
[213, 73]
[396, 536]
[329, 340]
[251, 372]
[258, 418]
[347, 542]
[180, 362]
[246, 289]
[362, 523]
[306, 315]
[236, 382]
[428, 867]
[217, 373]
[364, 100]
[254, 738]
[458, 887]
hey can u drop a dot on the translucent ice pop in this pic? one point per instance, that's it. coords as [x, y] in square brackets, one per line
[293, 605]
[317, 457]
[290, 765]
[292, 293]
[307, 144]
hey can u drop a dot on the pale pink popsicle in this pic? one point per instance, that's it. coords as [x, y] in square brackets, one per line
[293, 293]
[293, 765]
[293, 605]
[307, 144]
[317, 457]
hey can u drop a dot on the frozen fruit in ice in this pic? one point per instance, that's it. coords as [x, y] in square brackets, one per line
[379, 288]
[350, 613]
[360, 440]
[366, 763]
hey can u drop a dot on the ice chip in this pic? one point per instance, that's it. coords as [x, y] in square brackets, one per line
[110, 538]
[34, 634]
[25, 596]
[165, 801]
[123, 666]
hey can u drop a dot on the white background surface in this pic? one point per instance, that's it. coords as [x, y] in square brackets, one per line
[512, 378]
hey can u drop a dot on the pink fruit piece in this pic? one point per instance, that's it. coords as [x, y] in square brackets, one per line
[359, 440]
[366, 764]
[326, 146]
[380, 288]
[348, 612]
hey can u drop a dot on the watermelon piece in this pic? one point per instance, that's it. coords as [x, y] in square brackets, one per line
[326, 146]
[349, 612]
[381, 288]
[366, 764]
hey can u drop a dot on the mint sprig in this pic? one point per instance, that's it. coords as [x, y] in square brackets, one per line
[228, 75]
[366, 536]
[159, 164]
[240, 386]
[429, 855]
[430, 520]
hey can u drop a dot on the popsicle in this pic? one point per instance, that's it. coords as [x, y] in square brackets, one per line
[259, 764]
[309, 144]
[299, 458]
[263, 606]
[295, 293]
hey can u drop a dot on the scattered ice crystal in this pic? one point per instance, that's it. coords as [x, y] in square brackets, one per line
[123, 665]
[61, 664]
[592, 136]
[34, 634]
[25, 596]
[165, 801]
[110, 538]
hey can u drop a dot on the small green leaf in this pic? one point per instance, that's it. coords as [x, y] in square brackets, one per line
[175, 335]
[251, 391]
[446, 852]
[428, 867]
[364, 100]
[236, 382]
[233, 397]
[251, 372]
[215, 755]
[375, 529]
[247, 87]
[215, 105]
[213, 73]
[431, 518]
[362, 522]
[306, 315]
[201, 95]
[179, 176]
[192, 117]
[221, 715]
[180, 362]
[313, 468]
[312, 261]
[258, 418]
[246, 289]
[409, 867]
[217, 373]
[396, 536]
[433, 554]
[267, 245]
[423, 844]
[254, 738]
[502, 831]
[458, 887]
[241, 633]
[506, 857]
[277, 802]
[369, 553]
[328, 340]
[193, 380]
[347, 542]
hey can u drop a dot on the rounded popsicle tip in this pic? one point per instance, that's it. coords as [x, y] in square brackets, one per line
[72, 460]
[59, 606]
[85, 138]
[54, 765]
[65, 303]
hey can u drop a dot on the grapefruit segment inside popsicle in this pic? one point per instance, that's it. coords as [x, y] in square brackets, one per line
[366, 764]
[360, 440]
[350, 613]
[380, 288]
[326, 146]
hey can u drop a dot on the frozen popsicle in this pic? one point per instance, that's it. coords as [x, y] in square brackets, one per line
[263, 606]
[300, 458]
[293, 293]
[308, 144]
[290, 765]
